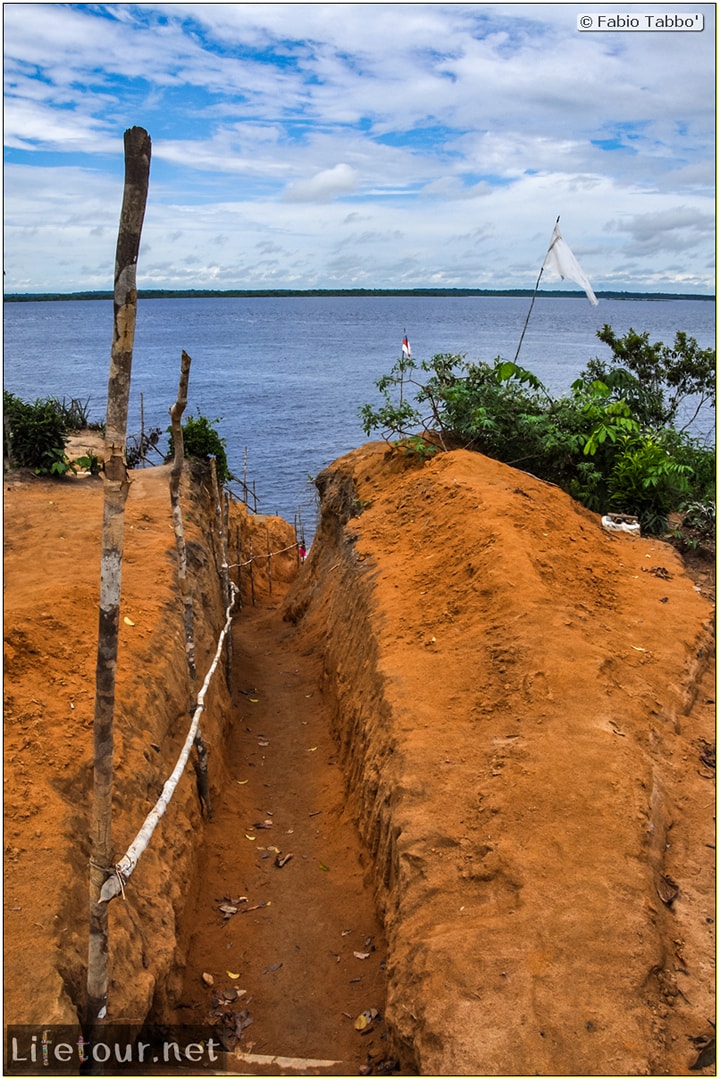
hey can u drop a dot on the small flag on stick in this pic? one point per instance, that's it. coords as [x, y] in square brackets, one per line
[406, 348]
[561, 260]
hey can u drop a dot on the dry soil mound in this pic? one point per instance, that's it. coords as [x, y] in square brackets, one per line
[51, 577]
[525, 706]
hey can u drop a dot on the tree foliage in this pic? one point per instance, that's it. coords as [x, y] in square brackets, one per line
[664, 385]
[610, 442]
[35, 433]
[202, 441]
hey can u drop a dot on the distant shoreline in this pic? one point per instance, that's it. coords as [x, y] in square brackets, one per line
[188, 294]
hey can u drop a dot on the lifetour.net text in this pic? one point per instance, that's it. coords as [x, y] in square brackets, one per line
[117, 1050]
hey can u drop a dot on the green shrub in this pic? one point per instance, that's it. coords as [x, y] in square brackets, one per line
[35, 434]
[647, 481]
[657, 380]
[609, 442]
[202, 441]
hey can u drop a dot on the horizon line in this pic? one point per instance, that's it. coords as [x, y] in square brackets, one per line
[180, 293]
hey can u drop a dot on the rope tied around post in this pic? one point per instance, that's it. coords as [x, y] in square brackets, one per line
[124, 868]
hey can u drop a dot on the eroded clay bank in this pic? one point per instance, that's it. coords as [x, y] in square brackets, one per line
[522, 706]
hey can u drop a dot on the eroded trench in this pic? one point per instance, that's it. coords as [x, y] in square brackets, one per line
[280, 950]
[285, 955]
[398, 875]
[260, 925]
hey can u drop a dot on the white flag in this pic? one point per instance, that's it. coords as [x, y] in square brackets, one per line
[406, 349]
[561, 259]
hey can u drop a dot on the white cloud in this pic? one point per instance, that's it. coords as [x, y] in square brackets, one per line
[675, 230]
[304, 144]
[327, 184]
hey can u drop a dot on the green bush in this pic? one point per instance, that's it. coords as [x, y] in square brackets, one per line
[35, 434]
[647, 481]
[609, 442]
[202, 441]
[657, 380]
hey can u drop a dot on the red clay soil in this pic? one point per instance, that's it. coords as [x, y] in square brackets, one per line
[311, 959]
[305, 965]
[482, 727]
[526, 714]
[51, 576]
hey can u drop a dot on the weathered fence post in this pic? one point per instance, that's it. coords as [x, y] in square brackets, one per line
[269, 559]
[239, 555]
[142, 431]
[251, 572]
[224, 569]
[116, 483]
[8, 441]
[176, 411]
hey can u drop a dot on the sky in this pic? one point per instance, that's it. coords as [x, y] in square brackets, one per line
[303, 146]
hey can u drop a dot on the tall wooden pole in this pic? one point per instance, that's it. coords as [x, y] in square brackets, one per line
[176, 412]
[137, 173]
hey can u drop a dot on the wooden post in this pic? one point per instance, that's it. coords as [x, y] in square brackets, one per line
[142, 431]
[239, 545]
[252, 575]
[115, 486]
[8, 441]
[224, 570]
[176, 411]
[269, 559]
[301, 527]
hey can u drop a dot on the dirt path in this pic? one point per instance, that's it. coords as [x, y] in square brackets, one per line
[294, 958]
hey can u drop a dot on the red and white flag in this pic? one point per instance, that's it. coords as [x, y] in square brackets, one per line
[406, 348]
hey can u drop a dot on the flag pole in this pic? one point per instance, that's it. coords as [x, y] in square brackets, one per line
[405, 353]
[532, 304]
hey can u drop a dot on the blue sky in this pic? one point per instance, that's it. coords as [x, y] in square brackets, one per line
[358, 145]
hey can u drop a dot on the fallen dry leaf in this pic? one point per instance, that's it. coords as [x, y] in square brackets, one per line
[365, 1019]
[667, 889]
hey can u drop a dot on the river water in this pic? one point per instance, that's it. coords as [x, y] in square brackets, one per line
[286, 376]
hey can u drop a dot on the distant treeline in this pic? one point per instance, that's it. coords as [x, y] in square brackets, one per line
[181, 294]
